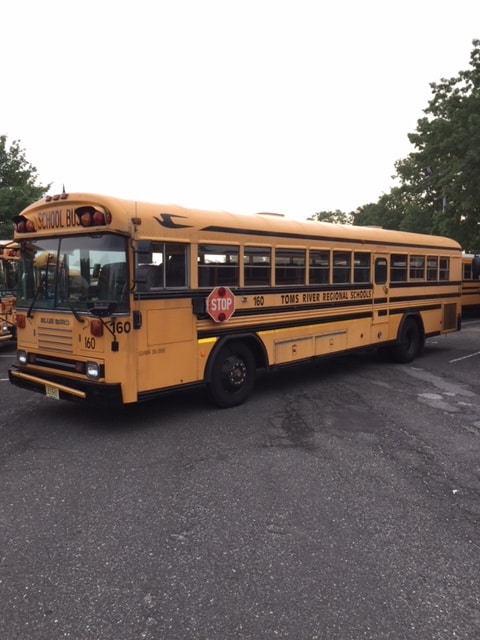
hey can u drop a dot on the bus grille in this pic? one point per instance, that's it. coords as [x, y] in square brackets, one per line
[449, 317]
[53, 339]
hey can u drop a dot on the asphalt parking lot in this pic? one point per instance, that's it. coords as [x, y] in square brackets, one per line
[340, 502]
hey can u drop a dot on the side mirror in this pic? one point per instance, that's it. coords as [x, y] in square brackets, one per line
[143, 250]
[102, 309]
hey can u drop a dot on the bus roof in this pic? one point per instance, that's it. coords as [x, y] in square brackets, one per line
[187, 222]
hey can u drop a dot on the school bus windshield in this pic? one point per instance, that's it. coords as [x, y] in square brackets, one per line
[76, 272]
[8, 276]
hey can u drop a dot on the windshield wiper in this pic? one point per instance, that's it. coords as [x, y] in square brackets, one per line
[72, 308]
[35, 298]
[40, 289]
[76, 315]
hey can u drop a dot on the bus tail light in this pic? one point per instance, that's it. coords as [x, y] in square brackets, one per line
[93, 217]
[21, 321]
[96, 328]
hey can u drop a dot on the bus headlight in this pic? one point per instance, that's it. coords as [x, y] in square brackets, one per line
[93, 370]
[22, 357]
[4, 327]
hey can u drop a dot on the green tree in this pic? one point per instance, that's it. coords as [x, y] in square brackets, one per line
[386, 213]
[394, 210]
[440, 188]
[369, 215]
[337, 217]
[18, 184]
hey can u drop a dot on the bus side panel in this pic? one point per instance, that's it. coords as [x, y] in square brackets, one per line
[284, 346]
[166, 345]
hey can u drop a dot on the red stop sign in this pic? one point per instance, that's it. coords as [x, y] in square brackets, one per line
[221, 304]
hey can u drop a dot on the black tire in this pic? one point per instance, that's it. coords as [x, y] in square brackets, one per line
[410, 342]
[232, 376]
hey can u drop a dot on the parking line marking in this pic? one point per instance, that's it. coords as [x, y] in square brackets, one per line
[477, 353]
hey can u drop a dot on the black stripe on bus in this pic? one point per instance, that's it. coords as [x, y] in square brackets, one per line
[402, 310]
[301, 308]
[291, 289]
[412, 298]
[311, 322]
[293, 308]
[425, 283]
[318, 238]
[271, 326]
[199, 303]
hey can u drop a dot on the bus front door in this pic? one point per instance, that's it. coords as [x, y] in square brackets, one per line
[381, 293]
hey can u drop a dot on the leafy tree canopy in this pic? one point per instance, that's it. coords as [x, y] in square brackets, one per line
[438, 188]
[439, 180]
[337, 217]
[18, 184]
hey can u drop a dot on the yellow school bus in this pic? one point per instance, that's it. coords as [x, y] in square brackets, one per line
[470, 282]
[8, 285]
[121, 301]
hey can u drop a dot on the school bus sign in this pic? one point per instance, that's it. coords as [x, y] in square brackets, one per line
[221, 304]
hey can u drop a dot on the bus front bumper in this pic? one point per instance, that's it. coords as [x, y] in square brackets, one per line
[52, 387]
[5, 331]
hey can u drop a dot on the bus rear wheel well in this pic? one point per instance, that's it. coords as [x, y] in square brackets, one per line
[410, 339]
[231, 370]
[248, 340]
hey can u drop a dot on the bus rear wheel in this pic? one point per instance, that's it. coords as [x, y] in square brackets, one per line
[410, 342]
[232, 376]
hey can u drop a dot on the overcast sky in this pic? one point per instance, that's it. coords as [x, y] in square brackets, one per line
[291, 106]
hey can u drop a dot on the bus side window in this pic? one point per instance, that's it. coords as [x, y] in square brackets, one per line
[150, 276]
[432, 268]
[204, 276]
[289, 266]
[417, 268]
[380, 271]
[341, 267]
[176, 271]
[398, 268]
[444, 269]
[218, 266]
[256, 266]
[227, 275]
[361, 267]
[319, 267]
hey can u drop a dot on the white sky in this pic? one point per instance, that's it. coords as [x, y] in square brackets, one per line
[292, 106]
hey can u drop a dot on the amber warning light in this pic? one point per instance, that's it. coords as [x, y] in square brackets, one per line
[21, 321]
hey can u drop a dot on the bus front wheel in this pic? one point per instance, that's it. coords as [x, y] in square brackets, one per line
[232, 376]
[410, 342]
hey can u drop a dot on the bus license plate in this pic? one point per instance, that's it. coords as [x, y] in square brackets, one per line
[51, 392]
